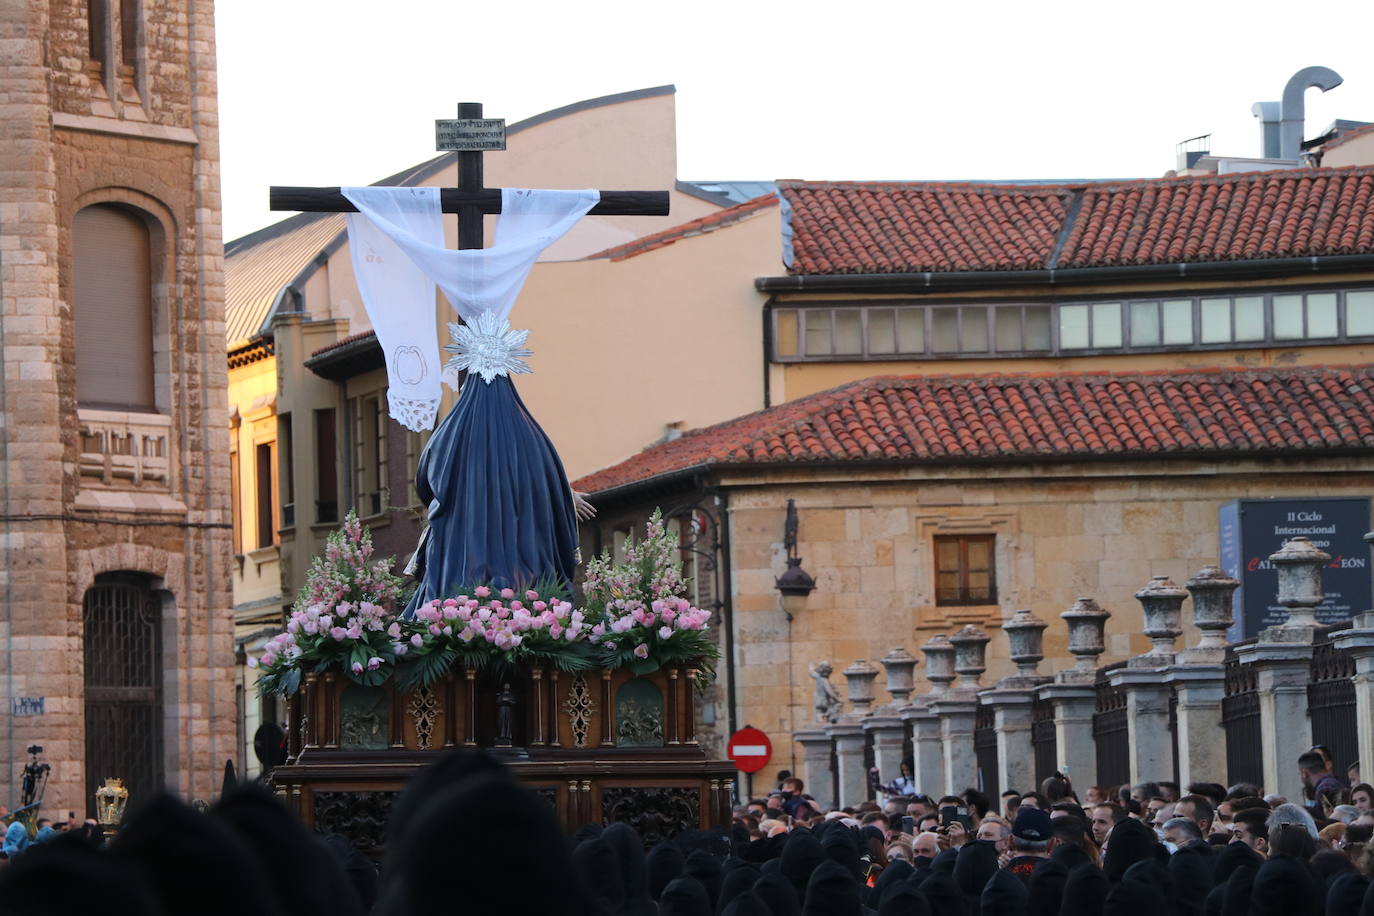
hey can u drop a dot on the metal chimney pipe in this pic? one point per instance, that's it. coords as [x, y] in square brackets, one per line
[1270, 116]
[1293, 109]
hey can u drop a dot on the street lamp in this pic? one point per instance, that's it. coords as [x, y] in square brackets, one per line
[795, 583]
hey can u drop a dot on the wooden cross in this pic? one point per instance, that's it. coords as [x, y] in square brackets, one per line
[469, 200]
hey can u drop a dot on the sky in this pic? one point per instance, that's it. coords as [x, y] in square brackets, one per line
[330, 92]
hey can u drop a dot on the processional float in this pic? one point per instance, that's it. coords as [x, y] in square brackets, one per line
[590, 699]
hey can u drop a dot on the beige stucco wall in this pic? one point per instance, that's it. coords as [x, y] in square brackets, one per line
[1062, 532]
[1355, 151]
[252, 396]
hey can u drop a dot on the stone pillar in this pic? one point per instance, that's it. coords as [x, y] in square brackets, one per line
[1074, 693]
[1012, 697]
[1074, 746]
[1147, 719]
[816, 764]
[956, 713]
[1282, 657]
[849, 754]
[1199, 680]
[927, 749]
[885, 731]
[1283, 667]
[1359, 642]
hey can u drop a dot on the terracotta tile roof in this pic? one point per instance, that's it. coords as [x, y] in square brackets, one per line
[1348, 136]
[344, 342]
[699, 226]
[862, 228]
[943, 420]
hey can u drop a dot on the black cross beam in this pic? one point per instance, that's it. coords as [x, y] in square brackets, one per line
[470, 200]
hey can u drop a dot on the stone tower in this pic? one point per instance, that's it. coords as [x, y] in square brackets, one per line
[116, 628]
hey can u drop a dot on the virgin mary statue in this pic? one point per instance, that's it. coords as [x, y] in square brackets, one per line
[500, 511]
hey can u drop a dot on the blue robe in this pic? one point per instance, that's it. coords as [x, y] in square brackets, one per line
[500, 509]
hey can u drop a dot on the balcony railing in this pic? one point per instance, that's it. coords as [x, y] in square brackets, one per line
[125, 450]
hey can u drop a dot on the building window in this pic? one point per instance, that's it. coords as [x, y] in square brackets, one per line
[369, 454]
[286, 475]
[960, 330]
[964, 572]
[111, 20]
[113, 292]
[326, 467]
[264, 467]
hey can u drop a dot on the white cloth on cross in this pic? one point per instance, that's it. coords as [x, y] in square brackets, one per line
[397, 244]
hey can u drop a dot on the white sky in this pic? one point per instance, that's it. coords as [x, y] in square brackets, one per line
[329, 92]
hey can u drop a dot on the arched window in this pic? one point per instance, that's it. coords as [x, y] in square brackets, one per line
[114, 309]
[123, 661]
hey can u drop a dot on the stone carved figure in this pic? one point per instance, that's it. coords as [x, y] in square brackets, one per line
[827, 701]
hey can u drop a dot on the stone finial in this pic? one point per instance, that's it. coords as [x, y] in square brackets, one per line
[1087, 622]
[1162, 602]
[900, 665]
[1212, 590]
[939, 653]
[1026, 635]
[860, 676]
[970, 654]
[1299, 565]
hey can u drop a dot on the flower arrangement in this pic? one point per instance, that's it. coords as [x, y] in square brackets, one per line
[339, 619]
[641, 619]
[346, 618]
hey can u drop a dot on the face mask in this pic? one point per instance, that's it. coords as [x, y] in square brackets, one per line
[1171, 847]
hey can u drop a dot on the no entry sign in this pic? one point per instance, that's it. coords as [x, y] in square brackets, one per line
[750, 749]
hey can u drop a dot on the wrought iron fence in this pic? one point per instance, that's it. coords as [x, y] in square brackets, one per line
[1331, 699]
[985, 751]
[1111, 732]
[1240, 719]
[1043, 742]
[1173, 730]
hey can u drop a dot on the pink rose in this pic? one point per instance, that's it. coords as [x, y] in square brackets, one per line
[481, 591]
[665, 632]
[532, 595]
[507, 593]
[338, 633]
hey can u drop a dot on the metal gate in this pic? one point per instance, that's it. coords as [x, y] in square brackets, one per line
[985, 751]
[1043, 742]
[1111, 732]
[1173, 730]
[1331, 700]
[123, 659]
[1240, 719]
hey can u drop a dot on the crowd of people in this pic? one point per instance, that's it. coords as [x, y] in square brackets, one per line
[466, 837]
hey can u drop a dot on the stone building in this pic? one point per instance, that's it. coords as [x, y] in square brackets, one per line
[117, 629]
[991, 397]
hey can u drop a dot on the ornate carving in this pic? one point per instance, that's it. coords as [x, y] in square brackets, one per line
[359, 816]
[655, 812]
[549, 794]
[827, 701]
[423, 708]
[580, 708]
[638, 715]
[364, 719]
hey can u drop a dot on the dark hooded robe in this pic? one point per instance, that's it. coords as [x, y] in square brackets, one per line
[684, 897]
[1046, 889]
[832, 891]
[778, 893]
[747, 904]
[1346, 894]
[1085, 892]
[1239, 890]
[664, 863]
[974, 866]
[904, 900]
[183, 855]
[943, 895]
[706, 869]
[634, 876]
[801, 856]
[1285, 886]
[599, 870]
[896, 873]
[69, 877]
[739, 879]
[1005, 895]
[1129, 842]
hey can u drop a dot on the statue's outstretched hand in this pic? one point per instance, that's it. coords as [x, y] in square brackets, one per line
[585, 510]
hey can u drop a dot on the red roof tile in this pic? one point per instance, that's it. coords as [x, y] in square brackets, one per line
[343, 342]
[704, 224]
[1032, 417]
[862, 228]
